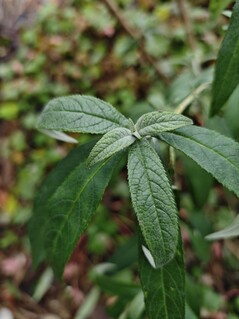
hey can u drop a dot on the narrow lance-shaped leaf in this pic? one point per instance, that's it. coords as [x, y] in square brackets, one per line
[65, 206]
[164, 287]
[217, 154]
[72, 207]
[59, 136]
[112, 142]
[53, 181]
[81, 113]
[153, 201]
[155, 122]
[227, 66]
[228, 232]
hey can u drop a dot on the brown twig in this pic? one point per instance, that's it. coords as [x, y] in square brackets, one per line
[189, 30]
[187, 22]
[137, 36]
[191, 97]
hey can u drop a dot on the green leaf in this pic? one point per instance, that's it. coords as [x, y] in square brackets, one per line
[112, 142]
[135, 308]
[60, 136]
[125, 255]
[155, 122]
[43, 284]
[228, 232]
[231, 114]
[65, 205]
[189, 314]
[89, 304]
[153, 201]
[199, 181]
[217, 6]
[217, 154]
[227, 67]
[117, 287]
[81, 113]
[38, 221]
[164, 287]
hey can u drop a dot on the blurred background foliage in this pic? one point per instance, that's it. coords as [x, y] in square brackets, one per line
[140, 56]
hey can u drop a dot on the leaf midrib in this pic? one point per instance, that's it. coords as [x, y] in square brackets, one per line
[205, 146]
[142, 161]
[164, 295]
[229, 65]
[67, 216]
[85, 113]
[116, 142]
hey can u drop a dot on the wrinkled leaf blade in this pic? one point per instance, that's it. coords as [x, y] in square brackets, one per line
[65, 206]
[163, 287]
[38, 221]
[80, 113]
[228, 232]
[153, 201]
[155, 122]
[111, 143]
[217, 154]
[227, 67]
[72, 207]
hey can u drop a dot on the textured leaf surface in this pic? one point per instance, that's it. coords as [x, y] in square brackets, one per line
[38, 221]
[217, 154]
[65, 205]
[155, 122]
[228, 232]
[81, 113]
[227, 67]
[164, 287]
[110, 143]
[153, 201]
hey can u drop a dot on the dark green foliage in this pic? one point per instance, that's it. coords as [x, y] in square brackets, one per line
[75, 194]
[217, 154]
[227, 67]
[164, 287]
[65, 206]
[153, 201]
[81, 48]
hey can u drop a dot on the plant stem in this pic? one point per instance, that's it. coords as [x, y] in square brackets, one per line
[189, 99]
[189, 30]
[135, 35]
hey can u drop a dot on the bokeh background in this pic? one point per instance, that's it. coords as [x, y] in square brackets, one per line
[141, 56]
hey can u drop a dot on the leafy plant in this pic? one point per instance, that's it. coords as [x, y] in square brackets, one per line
[230, 231]
[227, 76]
[69, 197]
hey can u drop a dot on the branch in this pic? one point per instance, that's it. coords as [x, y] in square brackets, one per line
[188, 27]
[191, 97]
[135, 35]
